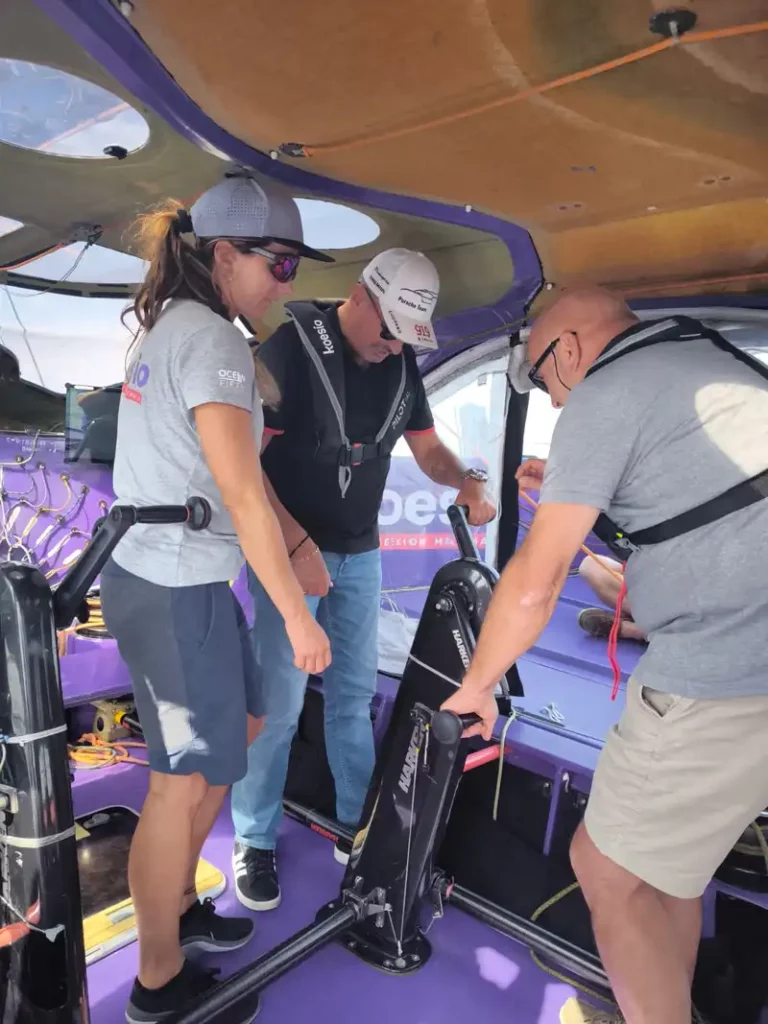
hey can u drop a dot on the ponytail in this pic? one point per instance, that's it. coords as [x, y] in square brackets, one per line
[180, 267]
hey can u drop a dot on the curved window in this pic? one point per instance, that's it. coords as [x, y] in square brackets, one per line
[50, 111]
[539, 425]
[8, 225]
[61, 339]
[333, 226]
[416, 538]
[95, 265]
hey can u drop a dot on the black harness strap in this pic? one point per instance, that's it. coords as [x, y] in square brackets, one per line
[325, 352]
[742, 495]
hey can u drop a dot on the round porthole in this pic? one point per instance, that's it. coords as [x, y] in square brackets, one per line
[51, 111]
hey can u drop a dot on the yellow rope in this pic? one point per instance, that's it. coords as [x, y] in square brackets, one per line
[551, 970]
[500, 770]
[95, 621]
[750, 851]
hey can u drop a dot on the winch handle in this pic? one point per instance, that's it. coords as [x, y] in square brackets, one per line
[457, 517]
[469, 720]
[69, 596]
[448, 727]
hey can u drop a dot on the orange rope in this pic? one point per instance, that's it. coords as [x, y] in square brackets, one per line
[92, 752]
[19, 929]
[613, 639]
[618, 576]
[538, 90]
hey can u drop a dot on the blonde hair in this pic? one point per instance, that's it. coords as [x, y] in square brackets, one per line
[181, 267]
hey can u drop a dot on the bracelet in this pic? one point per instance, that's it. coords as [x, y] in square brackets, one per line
[297, 561]
[303, 539]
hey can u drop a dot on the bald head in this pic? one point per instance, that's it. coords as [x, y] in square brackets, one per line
[578, 326]
[593, 313]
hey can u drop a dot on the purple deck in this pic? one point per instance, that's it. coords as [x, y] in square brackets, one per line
[474, 973]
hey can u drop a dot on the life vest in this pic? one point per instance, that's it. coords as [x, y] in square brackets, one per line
[677, 328]
[324, 349]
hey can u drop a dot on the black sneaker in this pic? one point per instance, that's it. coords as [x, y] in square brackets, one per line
[256, 877]
[148, 1005]
[201, 929]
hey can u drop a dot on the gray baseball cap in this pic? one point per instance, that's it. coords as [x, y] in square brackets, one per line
[244, 206]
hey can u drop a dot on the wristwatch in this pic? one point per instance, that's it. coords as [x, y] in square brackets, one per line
[475, 474]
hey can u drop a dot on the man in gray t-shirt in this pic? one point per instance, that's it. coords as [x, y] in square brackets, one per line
[658, 418]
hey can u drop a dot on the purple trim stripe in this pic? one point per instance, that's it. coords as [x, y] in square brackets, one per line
[107, 36]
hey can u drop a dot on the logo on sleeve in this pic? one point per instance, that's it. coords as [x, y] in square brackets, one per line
[137, 379]
[231, 379]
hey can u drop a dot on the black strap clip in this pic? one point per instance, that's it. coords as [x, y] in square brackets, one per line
[357, 453]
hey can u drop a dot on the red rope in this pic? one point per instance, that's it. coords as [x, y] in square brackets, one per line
[613, 637]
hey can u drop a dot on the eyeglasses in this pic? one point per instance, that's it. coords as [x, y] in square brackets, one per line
[533, 374]
[283, 266]
[385, 334]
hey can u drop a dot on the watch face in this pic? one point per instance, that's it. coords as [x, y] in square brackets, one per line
[477, 474]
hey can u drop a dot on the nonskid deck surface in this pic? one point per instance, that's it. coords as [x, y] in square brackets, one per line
[475, 974]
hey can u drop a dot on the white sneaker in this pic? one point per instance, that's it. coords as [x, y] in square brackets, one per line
[577, 1012]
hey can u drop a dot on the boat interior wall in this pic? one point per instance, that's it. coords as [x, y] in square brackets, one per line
[654, 168]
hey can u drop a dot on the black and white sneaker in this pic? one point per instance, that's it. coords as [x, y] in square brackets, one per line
[342, 851]
[148, 1005]
[201, 929]
[256, 877]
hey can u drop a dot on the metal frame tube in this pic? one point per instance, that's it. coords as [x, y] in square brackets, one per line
[214, 1007]
[570, 957]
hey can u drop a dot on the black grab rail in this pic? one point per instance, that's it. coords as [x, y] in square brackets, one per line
[42, 960]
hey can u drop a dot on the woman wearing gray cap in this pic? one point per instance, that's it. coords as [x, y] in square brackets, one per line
[190, 423]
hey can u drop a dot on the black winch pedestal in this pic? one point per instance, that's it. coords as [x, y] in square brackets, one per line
[419, 766]
[42, 960]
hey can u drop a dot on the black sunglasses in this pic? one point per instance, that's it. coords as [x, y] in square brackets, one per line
[283, 266]
[385, 334]
[533, 374]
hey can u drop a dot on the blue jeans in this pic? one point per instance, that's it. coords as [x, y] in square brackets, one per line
[350, 615]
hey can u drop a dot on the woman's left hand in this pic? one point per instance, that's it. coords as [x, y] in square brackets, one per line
[312, 573]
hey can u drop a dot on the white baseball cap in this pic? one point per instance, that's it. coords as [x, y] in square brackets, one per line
[244, 206]
[406, 286]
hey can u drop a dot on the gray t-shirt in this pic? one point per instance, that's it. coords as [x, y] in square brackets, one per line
[650, 436]
[189, 358]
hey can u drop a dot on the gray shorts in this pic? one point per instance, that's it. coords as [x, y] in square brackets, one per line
[194, 674]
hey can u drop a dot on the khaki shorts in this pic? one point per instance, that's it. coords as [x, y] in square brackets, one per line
[677, 783]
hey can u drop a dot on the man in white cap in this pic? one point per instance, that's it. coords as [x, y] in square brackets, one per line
[350, 388]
